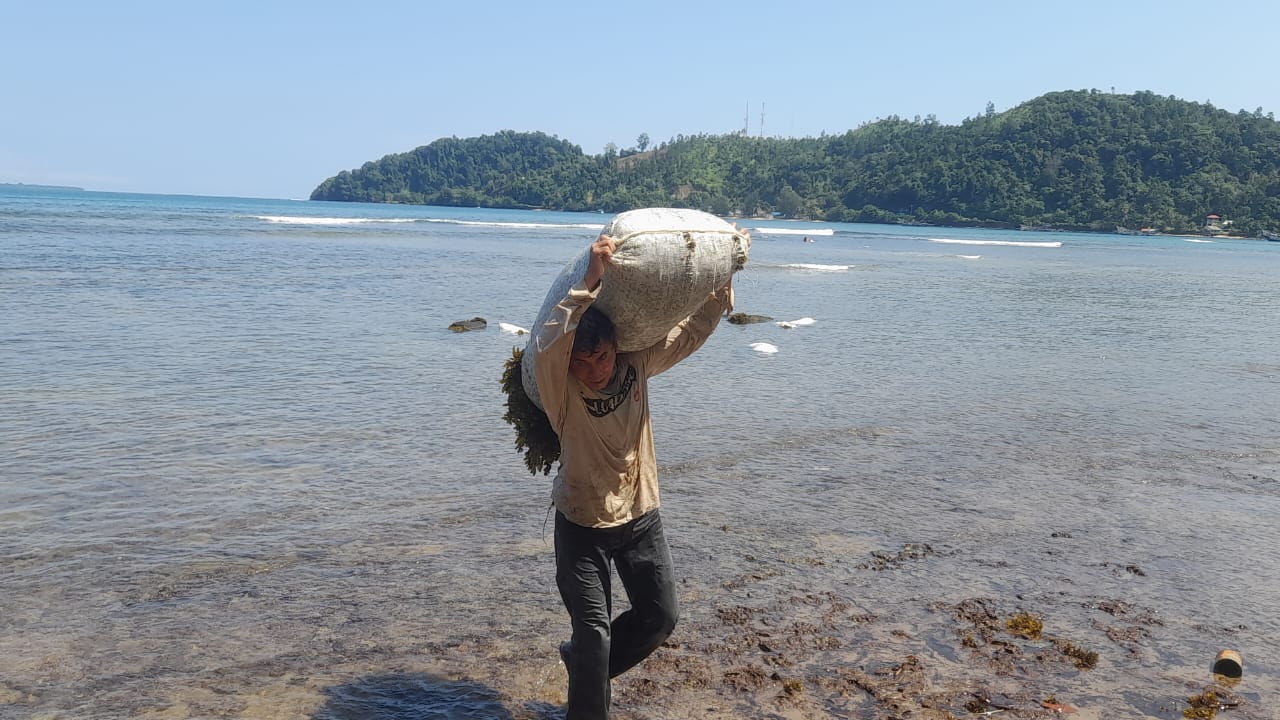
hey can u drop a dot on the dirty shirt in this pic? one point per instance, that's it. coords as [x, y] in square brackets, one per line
[608, 473]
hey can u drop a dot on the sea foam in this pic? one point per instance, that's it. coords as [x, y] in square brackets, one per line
[529, 225]
[296, 220]
[821, 232]
[819, 268]
[1010, 243]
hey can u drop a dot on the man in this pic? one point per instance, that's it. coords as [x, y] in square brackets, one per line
[606, 488]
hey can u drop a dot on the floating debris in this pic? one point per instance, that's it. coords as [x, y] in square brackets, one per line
[1228, 664]
[1051, 703]
[512, 329]
[795, 323]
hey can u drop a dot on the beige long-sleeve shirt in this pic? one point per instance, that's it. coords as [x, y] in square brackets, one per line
[608, 473]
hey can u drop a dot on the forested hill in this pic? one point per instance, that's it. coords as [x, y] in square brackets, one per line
[1071, 160]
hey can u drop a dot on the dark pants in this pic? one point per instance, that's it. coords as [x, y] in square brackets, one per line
[602, 649]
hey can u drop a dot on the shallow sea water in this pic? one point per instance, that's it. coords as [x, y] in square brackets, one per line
[246, 471]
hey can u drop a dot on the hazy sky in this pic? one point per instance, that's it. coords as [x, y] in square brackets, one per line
[267, 99]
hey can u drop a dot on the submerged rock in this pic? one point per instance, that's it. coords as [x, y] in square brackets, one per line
[475, 323]
[745, 319]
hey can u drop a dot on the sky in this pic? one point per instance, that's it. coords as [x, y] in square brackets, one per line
[269, 98]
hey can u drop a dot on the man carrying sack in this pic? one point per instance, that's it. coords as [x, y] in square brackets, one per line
[606, 488]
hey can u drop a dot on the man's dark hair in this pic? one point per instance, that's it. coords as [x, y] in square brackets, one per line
[593, 328]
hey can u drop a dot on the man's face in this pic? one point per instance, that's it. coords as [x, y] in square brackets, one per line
[593, 368]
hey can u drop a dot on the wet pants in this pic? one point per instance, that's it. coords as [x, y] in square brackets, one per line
[602, 649]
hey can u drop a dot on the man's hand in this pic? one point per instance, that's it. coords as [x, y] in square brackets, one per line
[601, 254]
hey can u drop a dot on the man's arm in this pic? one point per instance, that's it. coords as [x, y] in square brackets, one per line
[601, 255]
[691, 333]
[553, 342]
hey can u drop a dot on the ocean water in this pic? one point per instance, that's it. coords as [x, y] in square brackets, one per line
[247, 471]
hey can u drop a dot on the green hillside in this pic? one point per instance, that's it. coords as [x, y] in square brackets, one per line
[1082, 160]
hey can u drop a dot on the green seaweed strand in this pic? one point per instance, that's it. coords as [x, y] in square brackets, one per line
[534, 435]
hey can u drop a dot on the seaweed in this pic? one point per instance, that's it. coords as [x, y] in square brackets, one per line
[1083, 659]
[1202, 707]
[1025, 625]
[534, 434]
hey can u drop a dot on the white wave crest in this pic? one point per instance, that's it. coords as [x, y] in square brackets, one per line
[819, 268]
[792, 231]
[1196, 240]
[1009, 243]
[298, 220]
[802, 322]
[488, 223]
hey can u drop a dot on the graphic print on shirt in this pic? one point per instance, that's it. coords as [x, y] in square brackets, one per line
[599, 407]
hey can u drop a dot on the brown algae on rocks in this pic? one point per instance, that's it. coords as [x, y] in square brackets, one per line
[1025, 625]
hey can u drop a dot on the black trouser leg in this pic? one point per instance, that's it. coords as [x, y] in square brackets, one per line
[644, 566]
[582, 574]
[601, 649]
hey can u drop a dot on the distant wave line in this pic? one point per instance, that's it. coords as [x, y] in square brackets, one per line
[491, 223]
[307, 220]
[792, 231]
[1011, 243]
[815, 266]
[294, 220]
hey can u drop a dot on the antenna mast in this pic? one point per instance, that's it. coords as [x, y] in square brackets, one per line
[761, 118]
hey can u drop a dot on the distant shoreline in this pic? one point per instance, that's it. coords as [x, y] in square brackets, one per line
[1044, 229]
[29, 186]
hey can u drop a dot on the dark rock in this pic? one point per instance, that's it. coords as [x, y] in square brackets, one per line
[475, 323]
[745, 319]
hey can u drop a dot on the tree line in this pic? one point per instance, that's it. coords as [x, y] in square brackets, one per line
[1076, 160]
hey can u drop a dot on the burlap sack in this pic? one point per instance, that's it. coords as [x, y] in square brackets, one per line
[668, 260]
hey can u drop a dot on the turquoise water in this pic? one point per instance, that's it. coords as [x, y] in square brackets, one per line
[245, 466]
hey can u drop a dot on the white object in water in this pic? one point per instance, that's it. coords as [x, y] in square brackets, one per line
[795, 323]
[512, 329]
[764, 347]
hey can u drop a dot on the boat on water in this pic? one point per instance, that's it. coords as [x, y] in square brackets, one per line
[1273, 237]
[1130, 231]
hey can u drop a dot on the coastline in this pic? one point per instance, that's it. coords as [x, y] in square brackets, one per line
[980, 226]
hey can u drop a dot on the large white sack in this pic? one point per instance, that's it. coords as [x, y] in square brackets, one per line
[668, 260]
